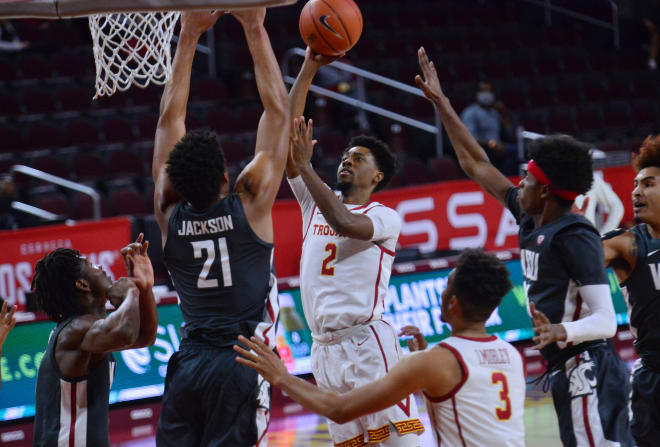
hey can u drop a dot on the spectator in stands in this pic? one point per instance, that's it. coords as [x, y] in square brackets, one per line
[9, 40]
[598, 201]
[488, 120]
[7, 196]
[7, 321]
[650, 15]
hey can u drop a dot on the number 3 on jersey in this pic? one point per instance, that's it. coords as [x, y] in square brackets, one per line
[503, 414]
[326, 270]
[207, 246]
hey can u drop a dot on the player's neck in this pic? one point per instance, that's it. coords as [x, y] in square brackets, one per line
[471, 330]
[654, 230]
[551, 212]
[356, 197]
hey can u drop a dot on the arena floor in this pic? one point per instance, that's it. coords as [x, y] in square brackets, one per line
[311, 430]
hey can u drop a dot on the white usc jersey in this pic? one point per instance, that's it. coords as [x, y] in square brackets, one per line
[343, 281]
[486, 408]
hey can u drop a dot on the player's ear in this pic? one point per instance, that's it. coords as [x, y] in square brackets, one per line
[378, 177]
[545, 191]
[83, 285]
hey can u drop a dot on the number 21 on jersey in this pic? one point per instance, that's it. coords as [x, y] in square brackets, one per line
[208, 247]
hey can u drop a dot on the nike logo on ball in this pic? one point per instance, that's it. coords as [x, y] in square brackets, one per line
[324, 21]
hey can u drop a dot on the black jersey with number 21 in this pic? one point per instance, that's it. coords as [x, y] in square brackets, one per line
[220, 269]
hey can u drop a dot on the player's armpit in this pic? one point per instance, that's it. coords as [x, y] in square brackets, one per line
[619, 249]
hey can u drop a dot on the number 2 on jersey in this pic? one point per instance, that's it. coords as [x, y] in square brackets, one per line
[325, 270]
[503, 414]
[198, 246]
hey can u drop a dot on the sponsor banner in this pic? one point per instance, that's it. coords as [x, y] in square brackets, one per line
[438, 216]
[413, 298]
[100, 241]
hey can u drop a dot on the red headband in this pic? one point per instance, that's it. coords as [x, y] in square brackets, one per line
[540, 177]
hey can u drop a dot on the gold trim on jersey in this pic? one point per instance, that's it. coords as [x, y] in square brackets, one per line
[408, 426]
[379, 434]
[358, 441]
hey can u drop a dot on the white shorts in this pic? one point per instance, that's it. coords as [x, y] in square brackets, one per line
[350, 358]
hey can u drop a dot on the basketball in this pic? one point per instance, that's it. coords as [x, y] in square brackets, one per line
[331, 27]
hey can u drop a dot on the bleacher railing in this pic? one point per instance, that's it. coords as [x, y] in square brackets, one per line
[59, 181]
[360, 102]
[549, 8]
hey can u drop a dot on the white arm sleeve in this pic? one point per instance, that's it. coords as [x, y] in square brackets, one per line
[303, 196]
[608, 198]
[600, 323]
[386, 222]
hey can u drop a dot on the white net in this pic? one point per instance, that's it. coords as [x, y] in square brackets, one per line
[132, 48]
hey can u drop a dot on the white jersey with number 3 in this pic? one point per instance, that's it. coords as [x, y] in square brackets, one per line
[486, 407]
[343, 281]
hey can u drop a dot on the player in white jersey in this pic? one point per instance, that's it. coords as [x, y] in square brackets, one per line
[474, 383]
[347, 254]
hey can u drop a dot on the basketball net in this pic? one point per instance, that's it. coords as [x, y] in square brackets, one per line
[132, 48]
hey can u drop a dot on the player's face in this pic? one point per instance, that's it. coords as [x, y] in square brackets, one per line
[529, 195]
[99, 281]
[357, 169]
[446, 296]
[646, 196]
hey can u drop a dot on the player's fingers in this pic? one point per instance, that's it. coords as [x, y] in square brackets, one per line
[259, 346]
[247, 362]
[145, 246]
[4, 309]
[139, 238]
[246, 354]
[12, 324]
[11, 312]
[420, 83]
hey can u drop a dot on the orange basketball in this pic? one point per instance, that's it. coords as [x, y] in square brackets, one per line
[331, 27]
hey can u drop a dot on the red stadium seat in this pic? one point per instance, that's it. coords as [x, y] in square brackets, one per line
[44, 135]
[89, 166]
[38, 102]
[83, 207]
[80, 132]
[117, 130]
[52, 165]
[443, 169]
[128, 201]
[56, 203]
[125, 161]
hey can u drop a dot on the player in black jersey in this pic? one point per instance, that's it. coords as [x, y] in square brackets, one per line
[218, 248]
[635, 257]
[76, 372]
[565, 280]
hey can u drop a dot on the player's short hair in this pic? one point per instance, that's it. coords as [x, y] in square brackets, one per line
[54, 283]
[381, 151]
[566, 162]
[196, 167]
[649, 154]
[480, 282]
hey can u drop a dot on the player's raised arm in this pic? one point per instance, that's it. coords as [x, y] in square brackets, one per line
[471, 156]
[171, 123]
[299, 91]
[140, 270]
[437, 372]
[260, 180]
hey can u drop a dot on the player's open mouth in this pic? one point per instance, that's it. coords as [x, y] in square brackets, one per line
[638, 207]
[345, 172]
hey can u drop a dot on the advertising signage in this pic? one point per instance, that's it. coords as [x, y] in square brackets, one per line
[413, 298]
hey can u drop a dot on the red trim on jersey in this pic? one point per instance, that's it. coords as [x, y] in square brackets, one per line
[271, 314]
[466, 374]
[587, 427]
[405, 408]
[383, 249]
[375, 206]
[310, 223]
[458, 424]
[360, 207]
[479, 339]
[380, 269]
[74, 407]
[265, 430]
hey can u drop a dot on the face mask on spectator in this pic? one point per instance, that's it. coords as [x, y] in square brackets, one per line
[486, 99]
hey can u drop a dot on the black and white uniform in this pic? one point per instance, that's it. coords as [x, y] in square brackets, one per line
[223, 274]
[565, 278]
[72, 412]
[642, 292]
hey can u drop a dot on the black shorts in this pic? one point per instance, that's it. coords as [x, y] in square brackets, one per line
[591, 399]
[211, 400]
[645, 406]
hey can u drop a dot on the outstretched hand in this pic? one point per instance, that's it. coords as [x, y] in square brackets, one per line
[7, 321]
[417, 342]
[319, 60]
[302, 144]
[198, 22]
[137, 262]
[545, 331]
[429, 83]
[261, 359]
